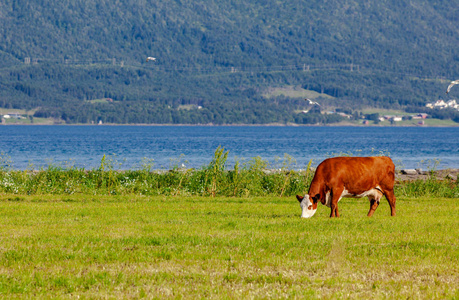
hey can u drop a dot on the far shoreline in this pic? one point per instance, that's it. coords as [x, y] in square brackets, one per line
[346, 124]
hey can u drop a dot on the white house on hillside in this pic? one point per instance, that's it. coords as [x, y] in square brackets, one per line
[453, 104]
[442, 104]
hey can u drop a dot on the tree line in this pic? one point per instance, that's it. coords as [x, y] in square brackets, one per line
[58, 55]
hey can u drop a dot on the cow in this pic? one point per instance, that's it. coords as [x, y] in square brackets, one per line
[354, 177]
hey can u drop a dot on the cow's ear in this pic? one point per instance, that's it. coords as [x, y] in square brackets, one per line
[299, 198]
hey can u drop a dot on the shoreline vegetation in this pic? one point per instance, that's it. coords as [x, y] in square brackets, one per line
[247, 179]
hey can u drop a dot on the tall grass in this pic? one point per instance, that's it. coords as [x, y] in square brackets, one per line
[254, 177]
[431, 187]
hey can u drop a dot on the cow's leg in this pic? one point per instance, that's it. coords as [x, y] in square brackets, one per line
[333, 209]
[391, 199]
[335, 196]
[373, 206]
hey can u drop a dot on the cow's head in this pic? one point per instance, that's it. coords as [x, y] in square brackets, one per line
[308, 205]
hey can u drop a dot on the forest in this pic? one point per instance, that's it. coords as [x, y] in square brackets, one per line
[85, 61]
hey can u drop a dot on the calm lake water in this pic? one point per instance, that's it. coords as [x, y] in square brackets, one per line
[130, 147]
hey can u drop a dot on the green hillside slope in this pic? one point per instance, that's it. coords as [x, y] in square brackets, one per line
[221, 57]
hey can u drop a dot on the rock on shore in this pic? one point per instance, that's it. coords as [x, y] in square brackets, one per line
[418, 174]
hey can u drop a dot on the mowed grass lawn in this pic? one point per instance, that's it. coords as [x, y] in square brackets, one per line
[203, 247]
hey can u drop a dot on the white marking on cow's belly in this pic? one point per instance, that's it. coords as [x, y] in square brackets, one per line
[374, 193]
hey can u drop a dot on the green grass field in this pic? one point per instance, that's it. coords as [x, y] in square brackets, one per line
[131, 246]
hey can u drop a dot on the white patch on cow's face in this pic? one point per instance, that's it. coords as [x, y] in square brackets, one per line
[307, 210]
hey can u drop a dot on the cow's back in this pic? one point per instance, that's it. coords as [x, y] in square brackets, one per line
[355, 173]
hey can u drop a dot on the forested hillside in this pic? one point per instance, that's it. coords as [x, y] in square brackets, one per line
[217, 60]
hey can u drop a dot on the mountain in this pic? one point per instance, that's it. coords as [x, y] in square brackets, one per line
[217, 60]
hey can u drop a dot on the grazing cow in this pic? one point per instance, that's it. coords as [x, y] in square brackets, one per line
[355, 177]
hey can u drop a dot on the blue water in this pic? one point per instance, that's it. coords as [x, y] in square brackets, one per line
[131, 147]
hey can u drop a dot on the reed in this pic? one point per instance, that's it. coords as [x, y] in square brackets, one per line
[432, 187]
[254, 177]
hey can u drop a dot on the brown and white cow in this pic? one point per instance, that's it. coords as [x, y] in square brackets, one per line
[355, 177]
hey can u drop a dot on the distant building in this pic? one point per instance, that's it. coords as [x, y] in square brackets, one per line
[12, 116]
[452, 103]
[422, 116]
[440, 104]
[16, 116]
[343, 115]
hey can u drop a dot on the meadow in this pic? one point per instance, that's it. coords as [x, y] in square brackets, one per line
[216, 233]
[61, 246]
